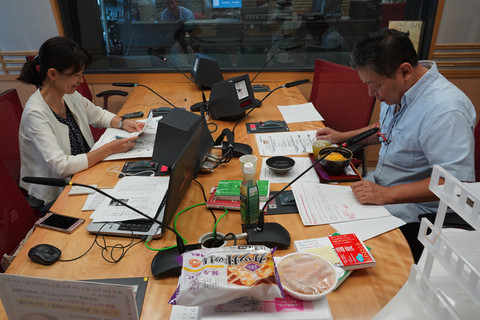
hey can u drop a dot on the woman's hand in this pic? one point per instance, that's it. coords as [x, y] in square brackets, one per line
[132, 125]
[122, 145]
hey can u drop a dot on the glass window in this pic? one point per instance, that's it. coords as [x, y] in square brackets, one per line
[134, 35]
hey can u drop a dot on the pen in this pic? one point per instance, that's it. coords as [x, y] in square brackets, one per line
[119, 137]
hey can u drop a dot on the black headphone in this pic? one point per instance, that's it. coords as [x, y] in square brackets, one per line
[226, 146]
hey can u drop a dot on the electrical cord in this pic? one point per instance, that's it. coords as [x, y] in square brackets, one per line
[105, 248]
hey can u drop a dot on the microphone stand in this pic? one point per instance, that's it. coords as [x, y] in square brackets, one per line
[273, 233]
[131, 84]
[196, 106]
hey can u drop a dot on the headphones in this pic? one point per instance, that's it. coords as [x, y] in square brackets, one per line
[227, 147]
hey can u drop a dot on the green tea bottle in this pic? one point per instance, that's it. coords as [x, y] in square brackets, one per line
[249, 198]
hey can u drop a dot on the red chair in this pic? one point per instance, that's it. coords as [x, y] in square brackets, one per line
[16, 216]
[342, 99]
[11, 110]
[477, 152]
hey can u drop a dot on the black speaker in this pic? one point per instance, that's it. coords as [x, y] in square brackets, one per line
[230, 98]
[174, 130]
[205, 71]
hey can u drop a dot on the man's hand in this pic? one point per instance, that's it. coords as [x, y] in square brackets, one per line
[329, 134]
[368, 192]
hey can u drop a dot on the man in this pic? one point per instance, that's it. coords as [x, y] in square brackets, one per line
[174, 12]
[424, 120]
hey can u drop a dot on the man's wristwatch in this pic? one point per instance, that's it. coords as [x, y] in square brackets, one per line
[120, 123]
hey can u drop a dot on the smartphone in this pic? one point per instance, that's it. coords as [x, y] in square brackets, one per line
[59, 222]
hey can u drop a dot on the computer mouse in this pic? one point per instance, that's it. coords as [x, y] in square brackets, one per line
[45, 254]
[271, 124]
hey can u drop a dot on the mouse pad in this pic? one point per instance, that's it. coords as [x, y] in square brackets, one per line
[257, 127]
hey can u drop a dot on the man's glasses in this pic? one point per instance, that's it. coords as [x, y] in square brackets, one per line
[387, 138]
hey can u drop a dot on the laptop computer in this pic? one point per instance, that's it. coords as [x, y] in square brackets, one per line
[181, 176]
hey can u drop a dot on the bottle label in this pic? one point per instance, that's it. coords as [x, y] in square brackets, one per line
[249, 203]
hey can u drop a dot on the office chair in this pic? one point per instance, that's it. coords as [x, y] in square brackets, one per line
[84, 90]
[11, 110]
[476, 134]
[16, 216]
[342, 99]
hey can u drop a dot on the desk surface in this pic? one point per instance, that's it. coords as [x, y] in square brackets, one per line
[361, 296]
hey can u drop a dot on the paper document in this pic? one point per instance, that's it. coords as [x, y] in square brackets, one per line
[301, 164]
[252, 309]
[300, 113]
[142, 193]
[285, 143]
[323, 203]
[368, 228]
[94, 200]
[39, 298]
[143, 145]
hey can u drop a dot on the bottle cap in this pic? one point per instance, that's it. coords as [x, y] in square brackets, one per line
[248, 168]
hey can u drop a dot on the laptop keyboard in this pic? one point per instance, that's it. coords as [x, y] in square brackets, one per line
[136, 225]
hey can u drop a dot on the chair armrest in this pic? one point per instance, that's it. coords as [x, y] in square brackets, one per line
[108, 93]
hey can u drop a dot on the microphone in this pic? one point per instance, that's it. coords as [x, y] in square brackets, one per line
[296, 83]
[273, 234]
[273, 56]
[196, 106]
[131, 84]
[55, 182]
[359, 137]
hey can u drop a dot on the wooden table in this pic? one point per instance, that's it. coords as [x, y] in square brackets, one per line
[361, 296]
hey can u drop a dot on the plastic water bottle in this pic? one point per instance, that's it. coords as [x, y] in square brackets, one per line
[249, 198]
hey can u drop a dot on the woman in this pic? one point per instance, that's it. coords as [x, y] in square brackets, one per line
[55, 137]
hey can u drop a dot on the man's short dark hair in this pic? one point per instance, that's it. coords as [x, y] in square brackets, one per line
[383, 51]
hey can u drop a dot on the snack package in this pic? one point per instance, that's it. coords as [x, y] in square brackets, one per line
[218, 275]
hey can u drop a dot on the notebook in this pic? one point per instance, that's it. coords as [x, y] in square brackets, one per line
[181, 176]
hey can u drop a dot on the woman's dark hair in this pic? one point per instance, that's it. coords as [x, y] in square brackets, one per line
[59, 53]
[383, 51]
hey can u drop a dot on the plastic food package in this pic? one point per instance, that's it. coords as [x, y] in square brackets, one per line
[306, 276]
[218, 275]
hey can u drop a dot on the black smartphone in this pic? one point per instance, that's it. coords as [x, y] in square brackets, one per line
[59, 222]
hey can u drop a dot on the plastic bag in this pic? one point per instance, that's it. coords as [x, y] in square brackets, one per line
[218, 275]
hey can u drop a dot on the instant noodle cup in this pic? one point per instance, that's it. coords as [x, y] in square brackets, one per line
[214, 276]
[307, 276]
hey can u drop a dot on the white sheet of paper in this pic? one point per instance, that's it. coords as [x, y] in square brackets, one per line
[94, 200]
[320, 203]
[79, 190]
[143, 146]
[301, 164]
[368, 228]
[300, 113]
[285, 143]
[249, 308]
[31, 297]
[142, 193]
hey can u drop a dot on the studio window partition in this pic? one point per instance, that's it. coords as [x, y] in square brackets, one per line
[244, 35]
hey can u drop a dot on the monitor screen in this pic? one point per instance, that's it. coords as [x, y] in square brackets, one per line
[220, 4]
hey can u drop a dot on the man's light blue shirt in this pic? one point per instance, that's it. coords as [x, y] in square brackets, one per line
[183, 15]
[434, 125]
